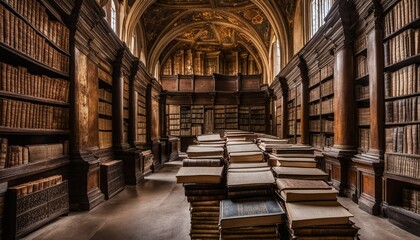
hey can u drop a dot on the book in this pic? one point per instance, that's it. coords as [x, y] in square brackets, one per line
[249, 193]
[242, 148]
[250, 212]
[247, 165]
[316, 213]
[349, 229]
[250, 180]
[199, 175]
[240, 157]
[202, 162]
[209, 138]
[299, 184]
[300, 195]
[292, 162]
[300, 173]
[199, 151]
[257, 169]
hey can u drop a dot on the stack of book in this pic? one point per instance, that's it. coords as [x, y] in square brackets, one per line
[210, 139]
[249, 180]
[267, 144]
[203, 177]
[254, 218]
[296, 161]
[313, 211]
[238, 135]
[204, 151]
[244, 153]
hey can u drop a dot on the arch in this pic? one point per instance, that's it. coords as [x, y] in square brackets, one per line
[276, 20]
[159, 46]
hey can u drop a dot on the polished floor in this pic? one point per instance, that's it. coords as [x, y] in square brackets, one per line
[157, 209]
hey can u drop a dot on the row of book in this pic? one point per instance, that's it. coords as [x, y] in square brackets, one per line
[18, 80]
[362, 92]
[36, 14]
[22, 37]
[321, 126]
[105, 108]
[403, 165]
[403, 139]
[321, 140]
[314, 78]
[404, 81]
[326, 71]
[35, 186]
[361, 66]
[105, 124]
[403, 110]
[105, 95]
[402, 46]
[18, 114]
[360, 43]
[403, 13]
[363, 116]
[364, 138]
[173, 109]
[327, 88]
[314, 94]
[411, 200]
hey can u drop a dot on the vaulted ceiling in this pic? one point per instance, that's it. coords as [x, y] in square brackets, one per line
[209, 25]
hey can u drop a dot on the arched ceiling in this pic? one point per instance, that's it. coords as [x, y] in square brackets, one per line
[211, 24]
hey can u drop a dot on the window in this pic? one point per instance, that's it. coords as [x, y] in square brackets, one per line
[113, 16]
[318, 10]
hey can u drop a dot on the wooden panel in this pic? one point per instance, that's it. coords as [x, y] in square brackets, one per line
[352, 173]
[169, 84]
[226, 84]
[93, 180]
[336, 172]
[204, 84]
[92, 75]
[186, 84]
[368, 184]
[251, 83]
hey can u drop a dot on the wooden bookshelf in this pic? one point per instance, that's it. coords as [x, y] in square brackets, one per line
[105, 108]
[197, 119]
[141, 118]
[321, 112]
[402, 116]
[174, 120]
[35, 107]
[32, 210]
[185, 120]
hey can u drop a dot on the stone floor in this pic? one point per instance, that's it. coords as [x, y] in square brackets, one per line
[157, 209]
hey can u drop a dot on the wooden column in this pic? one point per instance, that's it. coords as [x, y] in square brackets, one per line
[370, 166]
[338, 158]
[117, 102]
[285, 98]
[132, 128]
[304, 108]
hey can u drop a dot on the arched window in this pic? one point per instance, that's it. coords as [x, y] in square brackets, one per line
[318, 10]
[277, 57]
[113, 16]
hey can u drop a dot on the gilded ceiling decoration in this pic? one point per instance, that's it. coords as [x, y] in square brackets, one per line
[288, 7]
[258, 20]
[156, 19]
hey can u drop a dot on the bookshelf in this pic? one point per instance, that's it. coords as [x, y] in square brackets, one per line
[105, 108]
[402, 115]
[185, 120]
[251, 118]
[141, 118]
[361, 89]
[279, 109]
[126, 105]
[321, 110]
[197, 119]
[34, 91]
[219, 117]
[36, 203]
[174, 120]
